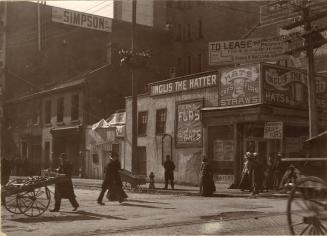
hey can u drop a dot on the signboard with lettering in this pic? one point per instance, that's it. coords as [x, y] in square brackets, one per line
[273, 130]
[247, 51]
[81, 19]
[188, 123]
[239, 86]
[183, 84]
[223, 150]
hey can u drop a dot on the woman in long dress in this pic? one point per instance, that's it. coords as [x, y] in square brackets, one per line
[207, 185]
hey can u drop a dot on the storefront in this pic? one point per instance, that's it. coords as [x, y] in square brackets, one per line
[221, 115]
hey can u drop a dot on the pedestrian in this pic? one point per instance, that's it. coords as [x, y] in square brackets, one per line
[267, 174]
[291, 175]
[254, 173]
[105, 183]
[65, 189]
[276, 171]
[116, 192]
[6, 167]
[207, 185]
[245, 183]
[169, 172]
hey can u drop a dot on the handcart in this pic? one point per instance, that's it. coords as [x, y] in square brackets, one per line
[307, 201]
[29, 196]
[131, 181]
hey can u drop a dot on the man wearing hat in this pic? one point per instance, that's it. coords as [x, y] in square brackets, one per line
[65, 189]
[105, 183]
[290, 176]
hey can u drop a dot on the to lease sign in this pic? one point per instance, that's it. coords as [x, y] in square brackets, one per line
[273, 130]
[81, 19]
[246, 51]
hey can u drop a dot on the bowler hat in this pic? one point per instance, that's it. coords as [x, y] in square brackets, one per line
[63, 156]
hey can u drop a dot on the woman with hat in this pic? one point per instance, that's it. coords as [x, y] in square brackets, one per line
[65, 189]
[116, 192]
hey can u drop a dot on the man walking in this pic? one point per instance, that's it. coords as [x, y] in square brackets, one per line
[65, 189]
[169, 172]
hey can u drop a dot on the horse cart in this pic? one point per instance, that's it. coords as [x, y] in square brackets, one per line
[131, 181]
[29, 196]
[307, 201]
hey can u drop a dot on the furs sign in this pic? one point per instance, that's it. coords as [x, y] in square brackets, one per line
[189, 83]
[81, 19]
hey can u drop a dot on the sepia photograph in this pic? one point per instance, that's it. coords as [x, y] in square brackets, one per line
[163, 117]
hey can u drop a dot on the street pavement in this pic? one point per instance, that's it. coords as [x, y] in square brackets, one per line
[155, 213]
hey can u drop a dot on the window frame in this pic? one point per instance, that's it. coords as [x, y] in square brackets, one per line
[74, 112]
[161, 130]
[60, 109]
[142, 126]
[47, 112]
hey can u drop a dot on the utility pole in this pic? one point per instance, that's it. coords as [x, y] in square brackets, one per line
[312, 40]
[134, 93]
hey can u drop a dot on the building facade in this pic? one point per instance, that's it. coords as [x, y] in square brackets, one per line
[63, 74]
[221, 115]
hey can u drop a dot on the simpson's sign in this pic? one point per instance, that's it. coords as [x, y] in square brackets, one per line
[81, 19]
[247, 51]
[194, 82]
[240, 86]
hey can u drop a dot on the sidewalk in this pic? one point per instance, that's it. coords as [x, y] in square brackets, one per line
[186, 190]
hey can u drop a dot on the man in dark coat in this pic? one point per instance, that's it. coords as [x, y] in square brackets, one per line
[105, 183]
[65, 189]
[116, 192]
[169, 172]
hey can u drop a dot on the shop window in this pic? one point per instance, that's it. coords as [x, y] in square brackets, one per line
[161, 117]
[60, 109]
[47, 118]
[142, 123]
[36, 112]
[75, 106]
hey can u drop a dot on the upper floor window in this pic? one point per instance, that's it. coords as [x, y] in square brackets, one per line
[36, 112]
[161, 117]
[200, 62]
[180, 66]
[47, 113]
[60, 109]
[200, 33]
[169, 4]
[188, 65]
[142, 123]
[75, 107]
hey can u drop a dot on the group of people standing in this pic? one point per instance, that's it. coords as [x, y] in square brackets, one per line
[260, 175]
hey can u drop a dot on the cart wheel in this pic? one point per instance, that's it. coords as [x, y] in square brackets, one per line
[307, 207]
[10, 202]
[35, 202]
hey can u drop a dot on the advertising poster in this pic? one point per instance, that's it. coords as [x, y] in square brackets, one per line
[284, 86]
[239, 86]
[188, 123]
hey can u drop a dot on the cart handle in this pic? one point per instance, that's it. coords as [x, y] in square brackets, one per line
[305, 159]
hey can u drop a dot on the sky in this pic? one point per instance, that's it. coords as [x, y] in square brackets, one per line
[102, 8]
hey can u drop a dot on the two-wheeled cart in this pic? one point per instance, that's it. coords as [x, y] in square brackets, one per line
[131, 181]
[29, 196]
[307, 201]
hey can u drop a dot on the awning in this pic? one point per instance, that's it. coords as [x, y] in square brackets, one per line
[67, 130]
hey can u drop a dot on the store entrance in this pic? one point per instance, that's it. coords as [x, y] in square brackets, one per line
[264, 147]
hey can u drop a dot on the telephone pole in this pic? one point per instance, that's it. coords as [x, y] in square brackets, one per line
[312, 40]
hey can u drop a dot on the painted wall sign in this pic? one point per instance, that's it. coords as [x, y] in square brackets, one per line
[273, 130]
[288, 87]
[224, 150]
[240, 86]
[247, 51]
[188, 123]
[190, 83]
[81, 19]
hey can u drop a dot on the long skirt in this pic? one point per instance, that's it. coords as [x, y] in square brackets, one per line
[245, 183]
[207, 186]
[116, 193]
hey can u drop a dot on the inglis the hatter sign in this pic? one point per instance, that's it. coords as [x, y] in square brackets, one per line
[81, 19]
[239, 86]
[198, 81]
[247, 51]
